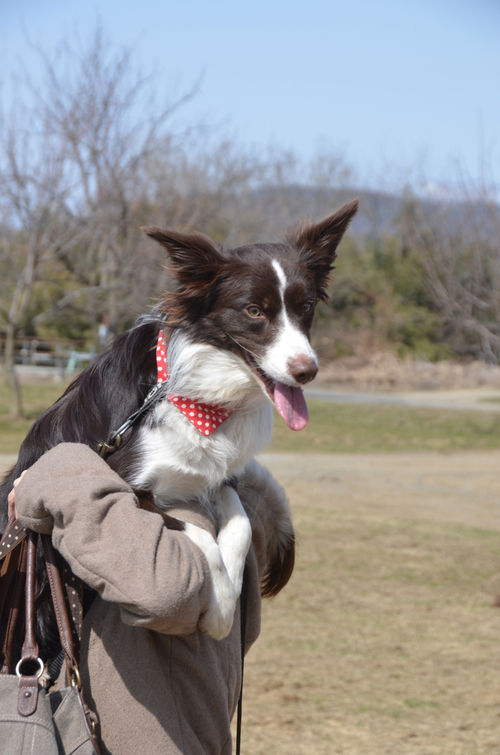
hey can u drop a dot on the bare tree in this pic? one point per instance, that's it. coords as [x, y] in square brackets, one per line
[125, 167]
[74, 193]
[108, 128]
[459, 243]
[32, 238]
[94, 157]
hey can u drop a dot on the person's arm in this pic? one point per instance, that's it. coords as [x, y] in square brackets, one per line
[159, 577]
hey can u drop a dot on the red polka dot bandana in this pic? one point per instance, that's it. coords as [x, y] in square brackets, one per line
[204, 417]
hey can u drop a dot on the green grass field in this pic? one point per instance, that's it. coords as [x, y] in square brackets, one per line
[36, 398]
[332, 427]
[337, 428]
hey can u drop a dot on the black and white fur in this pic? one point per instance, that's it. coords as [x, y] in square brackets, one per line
[237, 326]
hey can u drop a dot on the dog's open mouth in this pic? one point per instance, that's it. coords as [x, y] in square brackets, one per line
[289, 402]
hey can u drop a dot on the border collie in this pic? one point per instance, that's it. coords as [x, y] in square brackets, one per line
[230, 340]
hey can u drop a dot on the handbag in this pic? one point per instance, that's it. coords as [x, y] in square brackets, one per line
[33, 720]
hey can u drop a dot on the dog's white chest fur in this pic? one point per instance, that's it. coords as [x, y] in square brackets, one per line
[175, 461]
[179, 464]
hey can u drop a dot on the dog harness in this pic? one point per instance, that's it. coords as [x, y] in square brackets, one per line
[205, 417]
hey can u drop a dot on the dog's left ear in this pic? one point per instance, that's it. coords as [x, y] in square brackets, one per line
[196, 262]
[319, 242]
[193, 257]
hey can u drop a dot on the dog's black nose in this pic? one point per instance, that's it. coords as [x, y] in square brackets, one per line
[303, 369]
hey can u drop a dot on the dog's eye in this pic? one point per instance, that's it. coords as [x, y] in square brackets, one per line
[307, 307]
[254, 311]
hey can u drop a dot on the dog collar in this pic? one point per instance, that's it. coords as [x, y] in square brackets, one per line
[205, 417]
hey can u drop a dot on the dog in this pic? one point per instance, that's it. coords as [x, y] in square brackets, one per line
[230, 339]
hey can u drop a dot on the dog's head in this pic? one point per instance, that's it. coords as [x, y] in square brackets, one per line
[257, 301]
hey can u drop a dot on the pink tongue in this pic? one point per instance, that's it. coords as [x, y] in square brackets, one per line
[291, 405]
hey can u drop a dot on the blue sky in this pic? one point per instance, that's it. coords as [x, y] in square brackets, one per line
[390, 83]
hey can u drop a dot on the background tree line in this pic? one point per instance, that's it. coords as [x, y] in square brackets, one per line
[89, 155]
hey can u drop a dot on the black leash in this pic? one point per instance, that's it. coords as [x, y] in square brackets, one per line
[243, 619]
[104, 449]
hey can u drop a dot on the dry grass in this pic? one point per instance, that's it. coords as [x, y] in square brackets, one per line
[380, 370]
[386, 639]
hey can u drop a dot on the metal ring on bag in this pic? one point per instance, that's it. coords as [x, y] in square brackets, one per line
[75, 678]
[38, 674]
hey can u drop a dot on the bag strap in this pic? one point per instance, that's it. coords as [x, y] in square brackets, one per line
[22, 583]
[13, 576]
[243, 623]
[61, 613]
[10, 559]
[29, 650]
[27, 698]
[73, 598]
[13, 535]
[12, 588]
[66, 635]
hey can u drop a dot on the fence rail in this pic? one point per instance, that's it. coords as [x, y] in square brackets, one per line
[68, 355]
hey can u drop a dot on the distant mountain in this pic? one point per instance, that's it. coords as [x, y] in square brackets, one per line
[379, 212]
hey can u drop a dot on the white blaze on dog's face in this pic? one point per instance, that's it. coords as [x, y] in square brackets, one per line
[258, 302]
[290, 358]
[290, 361]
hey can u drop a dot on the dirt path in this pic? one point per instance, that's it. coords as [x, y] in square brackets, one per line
[477, 399]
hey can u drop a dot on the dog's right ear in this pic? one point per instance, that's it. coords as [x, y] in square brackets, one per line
[318, 243]
[193, 257]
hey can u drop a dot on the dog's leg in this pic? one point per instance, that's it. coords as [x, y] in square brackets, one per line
[218, 619]
[235, 534]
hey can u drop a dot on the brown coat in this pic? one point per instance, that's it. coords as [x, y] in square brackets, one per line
[158, 684]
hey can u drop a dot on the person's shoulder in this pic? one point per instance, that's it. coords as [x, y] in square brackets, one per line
[72, 452]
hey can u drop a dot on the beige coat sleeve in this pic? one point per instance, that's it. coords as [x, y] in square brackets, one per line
[158, 576]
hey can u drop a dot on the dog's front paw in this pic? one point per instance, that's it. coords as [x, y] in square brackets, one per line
[218, 619]
[235, 534]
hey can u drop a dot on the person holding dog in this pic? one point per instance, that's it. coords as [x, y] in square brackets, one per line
[159, 684]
